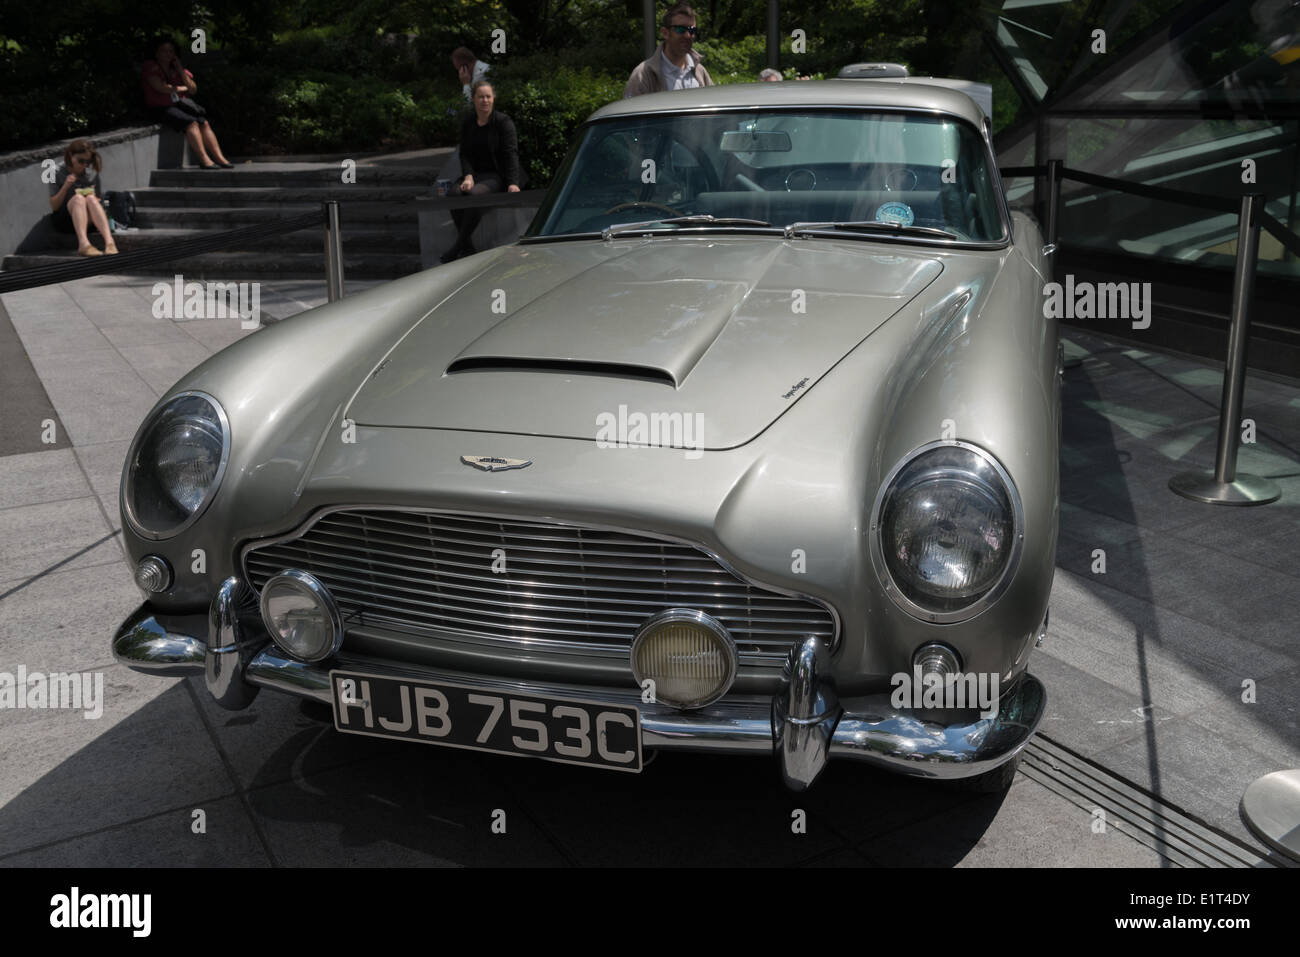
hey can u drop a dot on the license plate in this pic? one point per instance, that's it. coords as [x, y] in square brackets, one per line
[457, 716]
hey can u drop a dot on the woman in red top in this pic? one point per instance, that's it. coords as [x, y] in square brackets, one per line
[168, 89]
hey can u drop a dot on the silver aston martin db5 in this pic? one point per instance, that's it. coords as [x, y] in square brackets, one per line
[748, 446]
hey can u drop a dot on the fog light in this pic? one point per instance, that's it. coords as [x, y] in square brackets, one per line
[936, 659]
[301, 616]
[153, 574]
[690, 657]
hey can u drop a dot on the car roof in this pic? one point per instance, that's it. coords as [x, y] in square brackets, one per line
[894, 93]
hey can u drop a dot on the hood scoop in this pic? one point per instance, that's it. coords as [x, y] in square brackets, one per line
[558, 340]
[607, 370]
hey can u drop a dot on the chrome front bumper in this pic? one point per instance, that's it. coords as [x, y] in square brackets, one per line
[805, 725]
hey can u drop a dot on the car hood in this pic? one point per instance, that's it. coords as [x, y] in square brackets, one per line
[574, 339]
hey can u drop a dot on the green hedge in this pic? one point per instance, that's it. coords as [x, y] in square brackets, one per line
[264, 111]
[547, 107]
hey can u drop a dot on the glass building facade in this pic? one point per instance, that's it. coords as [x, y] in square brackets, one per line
[1201, 97]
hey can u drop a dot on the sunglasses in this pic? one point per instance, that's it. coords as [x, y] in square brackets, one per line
[83, 160]
[681, 29]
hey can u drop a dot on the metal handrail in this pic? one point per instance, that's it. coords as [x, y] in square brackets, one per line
[1220, 204]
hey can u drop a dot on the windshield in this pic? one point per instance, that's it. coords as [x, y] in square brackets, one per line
[777, 168]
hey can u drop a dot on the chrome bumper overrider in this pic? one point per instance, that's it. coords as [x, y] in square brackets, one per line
[805, 725]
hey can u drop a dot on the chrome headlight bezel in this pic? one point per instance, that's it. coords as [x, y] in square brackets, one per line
[132, 468]
[999, 585]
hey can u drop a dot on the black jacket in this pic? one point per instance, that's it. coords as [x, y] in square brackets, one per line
[505, 146]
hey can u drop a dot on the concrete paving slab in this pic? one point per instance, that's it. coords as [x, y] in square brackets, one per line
[99, 396]
[1168, 660]
[1130, 484]
[858, 801]
[265, 743]
[110, 304]
[738, 813]
[40, 477]
[144, 332]
[216, 334]
[30, 422]
[162, 364]
[65, 620]
[45, 300]
[1029, 827]
[845, 857]
[1087, 712]
[1204, 770]
[1239, 597]
[67, 534]
[425, 807]
[58, 334]
[1271, 722]
[160, 840]
[66, 776]
[102, 464]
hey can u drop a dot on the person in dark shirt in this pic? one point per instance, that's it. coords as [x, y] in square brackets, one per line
[169, 91]
[489, 162]
[75, 198]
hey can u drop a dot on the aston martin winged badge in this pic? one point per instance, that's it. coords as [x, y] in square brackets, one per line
[492, 463]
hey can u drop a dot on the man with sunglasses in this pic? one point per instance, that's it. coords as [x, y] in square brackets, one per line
[674, 64]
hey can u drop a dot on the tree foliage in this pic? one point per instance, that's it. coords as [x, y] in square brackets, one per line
[336, 75]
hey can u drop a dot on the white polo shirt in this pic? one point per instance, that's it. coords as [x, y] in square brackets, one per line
[675, 79]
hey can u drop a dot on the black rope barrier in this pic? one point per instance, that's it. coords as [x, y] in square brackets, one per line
[13, 280]
[1220, 204]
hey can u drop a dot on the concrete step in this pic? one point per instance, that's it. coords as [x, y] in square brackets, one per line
[294, 175]
[398, 239]
[235, 265]
[228, 217]
[270, 195]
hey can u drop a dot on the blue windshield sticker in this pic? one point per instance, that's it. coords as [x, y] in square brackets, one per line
[899, 213]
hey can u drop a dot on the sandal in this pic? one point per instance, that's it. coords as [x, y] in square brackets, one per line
[88, 250]
[110, 249]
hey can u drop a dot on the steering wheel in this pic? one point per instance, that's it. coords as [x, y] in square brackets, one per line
[636, 203]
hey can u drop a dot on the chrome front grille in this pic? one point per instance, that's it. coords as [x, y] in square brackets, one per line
[562, 588]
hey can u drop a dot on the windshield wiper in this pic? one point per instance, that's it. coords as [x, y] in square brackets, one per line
[870, 226]
[702, 219]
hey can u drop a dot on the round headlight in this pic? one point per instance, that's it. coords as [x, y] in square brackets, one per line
[690, 657]
[301, 616]
[946, 532]
[175, 465]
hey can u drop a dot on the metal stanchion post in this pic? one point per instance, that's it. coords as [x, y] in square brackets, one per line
[648, 40]
[773, 34]
[1054, 168]
[333, 252]
[1226, 486]
[1271, 809]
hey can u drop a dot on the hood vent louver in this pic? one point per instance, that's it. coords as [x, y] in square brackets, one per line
[609, 370]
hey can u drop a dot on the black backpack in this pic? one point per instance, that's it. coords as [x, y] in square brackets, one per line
[121, 206]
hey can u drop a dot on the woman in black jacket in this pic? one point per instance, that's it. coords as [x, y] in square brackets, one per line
[489, 162]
